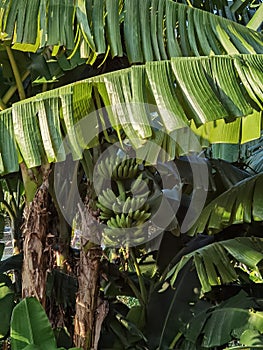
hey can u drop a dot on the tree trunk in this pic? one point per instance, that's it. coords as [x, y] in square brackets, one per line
[36, 252]
[90, 310]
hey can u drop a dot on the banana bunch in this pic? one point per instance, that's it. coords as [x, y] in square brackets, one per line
[132, 221]
[139, 187]
[131, 204]
[111, 206]
[125, 208]
[107, 165]
[118, 168]
[127, 169]
[116, 237]
[106, 201]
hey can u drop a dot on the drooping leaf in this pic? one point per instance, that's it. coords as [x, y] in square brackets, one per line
[214, 263]
[256, 20]
[30, 326]
[251, 338]
[241, 203]
[35, 126]
[147, 35]
[233, 319]
[8, 149]
[170, 308]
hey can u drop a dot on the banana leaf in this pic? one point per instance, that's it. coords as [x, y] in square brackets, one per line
[30, 326]
[241, 203]
[216, 263]
[33, 128]
[234, 319]
[31, 25]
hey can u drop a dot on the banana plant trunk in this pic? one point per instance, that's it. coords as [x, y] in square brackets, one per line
[90, 309]
[36, 255]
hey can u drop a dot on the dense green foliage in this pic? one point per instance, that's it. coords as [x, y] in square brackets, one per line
[198, 288]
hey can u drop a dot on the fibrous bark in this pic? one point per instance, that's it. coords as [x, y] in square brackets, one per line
[36, 252]
[90, 309]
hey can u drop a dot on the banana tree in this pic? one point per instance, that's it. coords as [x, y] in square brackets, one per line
[205, 70]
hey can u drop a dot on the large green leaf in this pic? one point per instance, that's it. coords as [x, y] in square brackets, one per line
[241, 203]
[208, 99]
[230, 321]
[30, 326]
[256, 20]
[146, 35]
[252, 338]
[215, 263]
[9, 158]
[234, 319]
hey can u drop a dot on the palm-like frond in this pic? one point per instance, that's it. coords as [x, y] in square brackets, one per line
[241, 203]
[152, 29]
[218, 263]
[234, 319]
[243, 12]
[203, 96]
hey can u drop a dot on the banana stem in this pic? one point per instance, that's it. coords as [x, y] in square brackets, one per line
[140, 277]
[44, 87]
[175, 340]
[2, 105]
[10, 92]
[135, 291]
[18, 79]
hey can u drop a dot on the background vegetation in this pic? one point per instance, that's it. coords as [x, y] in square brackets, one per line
[199, 288]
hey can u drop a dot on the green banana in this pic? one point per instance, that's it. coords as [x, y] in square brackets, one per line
[137, 184]
[123, 220]
[125, 171]
[140, 215]
[136, 214]
[104, 217]
[115, 172]
[104, 209]
[112, 223]
[118, 220]
[108, 193]
[135, 204]
[106, 200]
[139, 240]
[102, 170]
[107, 166]
[117, 208]
[127, 205]
[143, 219]
[128, 221]
[140, 187]
[130, 213]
